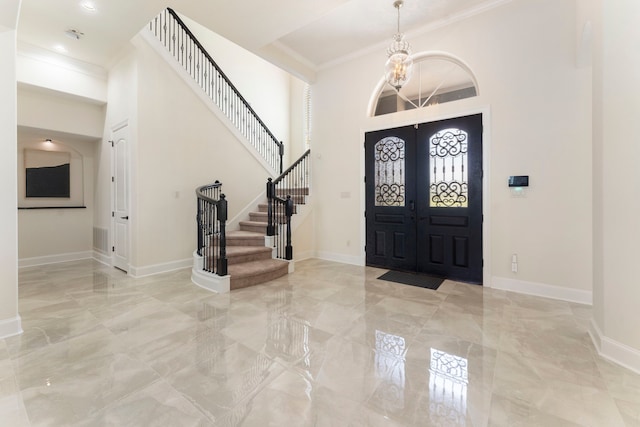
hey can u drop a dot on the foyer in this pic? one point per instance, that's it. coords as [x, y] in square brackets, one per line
[328, 345]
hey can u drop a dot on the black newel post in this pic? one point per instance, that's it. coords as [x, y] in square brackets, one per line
[289, 212]
[270, 195]
[222, 218]
[199, 226]
[281, 151]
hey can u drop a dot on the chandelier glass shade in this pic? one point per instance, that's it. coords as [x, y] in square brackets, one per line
[399, 65]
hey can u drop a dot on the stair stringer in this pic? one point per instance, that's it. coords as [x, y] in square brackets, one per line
[146, 36]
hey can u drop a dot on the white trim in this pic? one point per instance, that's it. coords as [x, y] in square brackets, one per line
[146, 35]
[345, 259]
[209, 281]
[122, 125]
[54, 259]
[45, 56]
[166, 267]
[542, 290]
[614, 351]
[102, 258]
[10, 327]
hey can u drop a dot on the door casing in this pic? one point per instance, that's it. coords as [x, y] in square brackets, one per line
[121, 253]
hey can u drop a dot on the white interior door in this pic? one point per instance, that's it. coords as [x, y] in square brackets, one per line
[120, 212]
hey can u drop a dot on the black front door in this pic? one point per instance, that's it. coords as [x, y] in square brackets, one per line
[424, 198]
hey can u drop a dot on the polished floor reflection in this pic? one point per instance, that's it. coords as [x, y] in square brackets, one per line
[329, 345]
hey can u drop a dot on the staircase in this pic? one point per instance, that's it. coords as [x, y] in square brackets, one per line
[250, 261]
[261, 249]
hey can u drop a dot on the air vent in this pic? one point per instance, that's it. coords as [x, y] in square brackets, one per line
[74, 34]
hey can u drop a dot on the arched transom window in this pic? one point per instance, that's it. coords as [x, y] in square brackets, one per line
[437, 78]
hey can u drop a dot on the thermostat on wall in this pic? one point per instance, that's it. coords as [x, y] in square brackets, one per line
[519, 181]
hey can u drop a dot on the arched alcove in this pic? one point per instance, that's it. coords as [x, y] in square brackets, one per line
[438, 77]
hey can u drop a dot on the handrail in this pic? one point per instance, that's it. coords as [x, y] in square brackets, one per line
[293, 166]
[226, 95]
[294, 182]
[211, 220]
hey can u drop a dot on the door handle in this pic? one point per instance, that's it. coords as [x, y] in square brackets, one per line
[124, 217]
[412, 205]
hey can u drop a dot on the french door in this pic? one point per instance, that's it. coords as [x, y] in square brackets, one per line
[424, 198]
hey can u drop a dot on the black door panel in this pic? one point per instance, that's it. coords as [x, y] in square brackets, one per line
[435, 227]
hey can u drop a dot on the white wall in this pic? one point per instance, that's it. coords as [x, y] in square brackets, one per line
[265, 86]
[38, 67]
[539, 104]
[122, 106]
[56, 111]
[617, 195]
[76, 122]
[9, 319]
[177, 144]
[50, 235]
[296, 119]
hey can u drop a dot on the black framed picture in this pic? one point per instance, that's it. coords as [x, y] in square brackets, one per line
[47, 174]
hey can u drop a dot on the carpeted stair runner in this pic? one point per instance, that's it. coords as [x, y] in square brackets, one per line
[250, 262]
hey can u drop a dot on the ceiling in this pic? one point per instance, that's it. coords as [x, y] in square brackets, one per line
[314, 33]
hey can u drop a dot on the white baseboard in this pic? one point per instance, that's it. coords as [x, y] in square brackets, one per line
[345, 259]
[54, 259]
[150, 270]
[614, 351]
[301, 256]
[10, 327]
[101, 257]
[542, 290]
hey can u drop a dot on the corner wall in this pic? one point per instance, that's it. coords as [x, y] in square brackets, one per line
[9, 319]
[616, 196]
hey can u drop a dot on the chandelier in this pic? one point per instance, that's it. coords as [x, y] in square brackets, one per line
[397, 70]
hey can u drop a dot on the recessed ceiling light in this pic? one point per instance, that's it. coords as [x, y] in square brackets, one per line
[88, 6]
[60, 48]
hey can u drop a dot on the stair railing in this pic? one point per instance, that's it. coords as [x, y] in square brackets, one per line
[283, 193]
[189, 52]
[211, 220]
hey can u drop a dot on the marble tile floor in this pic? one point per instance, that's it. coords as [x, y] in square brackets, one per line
[329, 345]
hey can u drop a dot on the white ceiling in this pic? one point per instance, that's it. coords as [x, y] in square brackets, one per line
[314, 32]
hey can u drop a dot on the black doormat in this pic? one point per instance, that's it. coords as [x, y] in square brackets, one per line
[413, 279]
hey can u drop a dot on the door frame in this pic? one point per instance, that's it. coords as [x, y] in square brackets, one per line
[411, 117]
[115, 128]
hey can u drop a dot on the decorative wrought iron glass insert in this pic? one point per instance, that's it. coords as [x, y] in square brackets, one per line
[390, 172]
[447, 162]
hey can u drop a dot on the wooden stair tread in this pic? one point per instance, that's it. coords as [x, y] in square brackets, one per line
[255, 268]
[244, 250]
[253, 223]
[242, 234]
